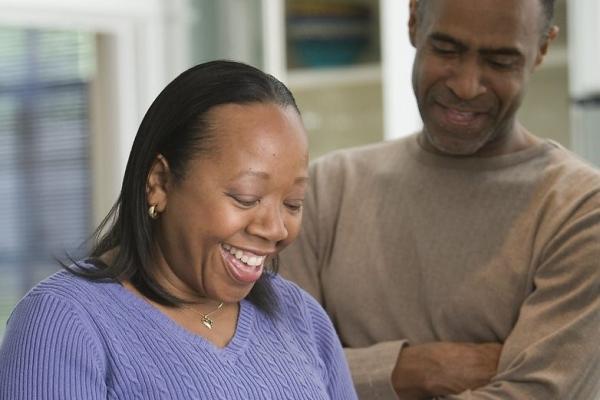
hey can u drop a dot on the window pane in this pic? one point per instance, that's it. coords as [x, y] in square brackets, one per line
[44, 154]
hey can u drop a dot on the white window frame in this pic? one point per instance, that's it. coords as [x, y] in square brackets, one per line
[142, 45]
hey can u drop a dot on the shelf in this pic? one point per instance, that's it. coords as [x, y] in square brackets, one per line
[317, 78]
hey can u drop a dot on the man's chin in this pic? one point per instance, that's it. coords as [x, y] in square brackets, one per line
[453, 146]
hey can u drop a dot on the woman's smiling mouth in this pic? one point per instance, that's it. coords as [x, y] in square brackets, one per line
[242, 265]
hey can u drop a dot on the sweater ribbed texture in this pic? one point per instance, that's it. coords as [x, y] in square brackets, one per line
[400, 244]
[70, 338]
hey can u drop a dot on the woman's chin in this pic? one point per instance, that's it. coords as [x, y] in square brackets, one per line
[231, 294]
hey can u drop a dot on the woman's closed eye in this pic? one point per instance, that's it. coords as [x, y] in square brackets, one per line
[244, 201]
[294, 206]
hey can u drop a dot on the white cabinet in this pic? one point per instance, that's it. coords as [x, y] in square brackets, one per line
[584, 48]
[281, 60]
[347, 105]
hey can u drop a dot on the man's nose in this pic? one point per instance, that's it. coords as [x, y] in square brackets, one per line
[466, 81]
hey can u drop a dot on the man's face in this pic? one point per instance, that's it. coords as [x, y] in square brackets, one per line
[473, 62]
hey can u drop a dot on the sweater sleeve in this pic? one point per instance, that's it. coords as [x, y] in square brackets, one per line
[371, 367]
[48, 353]
[553, 351]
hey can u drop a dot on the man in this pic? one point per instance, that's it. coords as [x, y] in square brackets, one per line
[461, 262]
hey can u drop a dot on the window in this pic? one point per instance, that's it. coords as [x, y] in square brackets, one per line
[44, 154]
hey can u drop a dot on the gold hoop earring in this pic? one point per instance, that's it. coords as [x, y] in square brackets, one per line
[152, 212]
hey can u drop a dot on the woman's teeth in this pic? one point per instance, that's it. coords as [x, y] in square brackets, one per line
[245, 257]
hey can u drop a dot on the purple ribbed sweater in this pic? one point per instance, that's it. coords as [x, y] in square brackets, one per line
[70, 338]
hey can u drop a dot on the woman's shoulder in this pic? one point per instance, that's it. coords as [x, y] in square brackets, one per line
[66, 303]
[67, 285]
[50, 326]
[77, 293]
[289, 292]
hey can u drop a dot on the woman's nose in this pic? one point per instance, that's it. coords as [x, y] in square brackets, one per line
[269, 224]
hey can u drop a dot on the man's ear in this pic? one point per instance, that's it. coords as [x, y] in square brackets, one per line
[157, 183]
[545, 44]
[413, 21]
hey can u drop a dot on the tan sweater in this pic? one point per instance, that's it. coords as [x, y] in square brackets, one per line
[399, 244]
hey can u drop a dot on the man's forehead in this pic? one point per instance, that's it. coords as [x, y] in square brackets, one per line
[506, 23]
[521, 12]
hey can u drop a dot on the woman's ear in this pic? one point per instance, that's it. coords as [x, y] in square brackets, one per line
[157, 183]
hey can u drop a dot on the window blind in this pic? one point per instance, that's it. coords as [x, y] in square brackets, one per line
[44, 154]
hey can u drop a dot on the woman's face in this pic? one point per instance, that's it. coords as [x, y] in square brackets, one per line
[237, 205]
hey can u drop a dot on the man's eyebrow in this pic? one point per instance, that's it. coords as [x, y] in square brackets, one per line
[442, 37]
[501, 51]
[504, 51]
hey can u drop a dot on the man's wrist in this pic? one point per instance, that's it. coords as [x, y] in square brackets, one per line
[408, 380]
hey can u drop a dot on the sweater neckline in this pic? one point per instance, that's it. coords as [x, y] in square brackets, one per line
[150, 314]
[477, 163]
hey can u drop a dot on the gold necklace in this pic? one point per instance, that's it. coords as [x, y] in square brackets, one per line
[206, 321]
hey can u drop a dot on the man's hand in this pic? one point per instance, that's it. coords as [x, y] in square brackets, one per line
[443, 368]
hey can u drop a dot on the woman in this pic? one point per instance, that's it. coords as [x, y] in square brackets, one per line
[179, 298]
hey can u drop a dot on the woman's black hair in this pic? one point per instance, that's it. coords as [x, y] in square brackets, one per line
[177, 127]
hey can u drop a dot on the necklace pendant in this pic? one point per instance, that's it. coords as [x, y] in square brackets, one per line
[207, 322]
